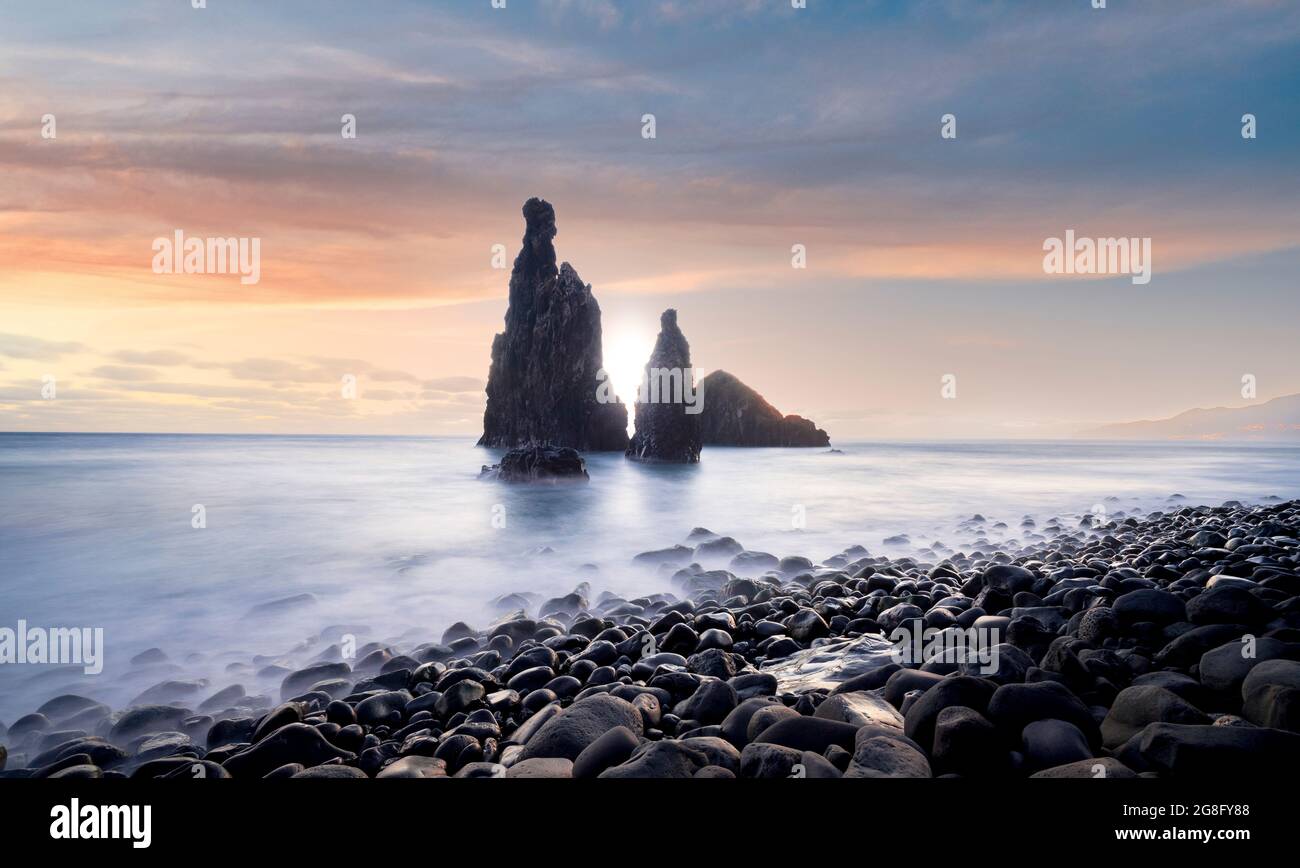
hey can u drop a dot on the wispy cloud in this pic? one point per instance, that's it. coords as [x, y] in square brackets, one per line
[775, 126]
[27, 347]
[124, 373]
[161, 358]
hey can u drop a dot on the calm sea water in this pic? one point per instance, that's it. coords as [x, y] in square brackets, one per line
[398, 536]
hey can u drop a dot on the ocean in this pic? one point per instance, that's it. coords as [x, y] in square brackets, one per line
[397, 538]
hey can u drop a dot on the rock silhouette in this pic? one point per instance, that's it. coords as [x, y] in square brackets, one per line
[542, 386]
[736, 415]
[667, 410]
[538, 462]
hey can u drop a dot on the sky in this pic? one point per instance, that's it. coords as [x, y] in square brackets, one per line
[774, 127]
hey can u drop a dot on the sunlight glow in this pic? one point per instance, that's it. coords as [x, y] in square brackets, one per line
[627, 350]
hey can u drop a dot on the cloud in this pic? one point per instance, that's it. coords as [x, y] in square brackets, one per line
[217, 390]
[278, 370]
[30, 392]
[604, 12]
[290, 391]
[386, 395]
[722, 11]
[359, 367]
[455, 384]
[124, 373]
[318, 370]
[160, 358]
[24, 347]
[465, 114]
[817, 126]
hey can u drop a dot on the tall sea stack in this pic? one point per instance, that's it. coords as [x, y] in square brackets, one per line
[667, 410]
[542, 385]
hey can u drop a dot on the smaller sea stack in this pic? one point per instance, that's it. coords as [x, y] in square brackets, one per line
[668, 406]
[736, 415]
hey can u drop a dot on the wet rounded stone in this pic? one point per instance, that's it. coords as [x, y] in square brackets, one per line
[572, 730]
[302, 679]
[611, 749]
[878, 756]
[1097, 768]
[1052, 743]
[1179, 656]
[541, 767]
[768, 761]
[711, 702]
[808, 733]
[333, 772]
[716, 773]
[966, 743]
[1271, 695]
[414, 767]
[147, 719]
[660, 759]
[1151, 605]
[295, 743]
[1137, 707]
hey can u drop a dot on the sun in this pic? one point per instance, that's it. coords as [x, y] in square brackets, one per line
[626, 351]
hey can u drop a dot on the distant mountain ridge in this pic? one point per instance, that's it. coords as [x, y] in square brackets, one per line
[1277, 420]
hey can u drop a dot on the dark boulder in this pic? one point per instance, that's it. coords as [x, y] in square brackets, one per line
[1271, 695]
[1186, 648]
[735, 727]
[1228, 752]
[298, 681]
[1223, 669]
[329, 772]
[541, 767]
[660, 759]
[1149, 604]
[1225, 604]
[1137, 707]
[295, 743]
[964, 690]
[538, 462]
[1175, 682]
[711, 702]
[860, 708]
[415, 766]
[878, 756]
[816, 766]
[1101, 767]
[768, 761]
[1008, 578]
[570, 732]
[719, 751]
[146, 720]
[808, 733]
[1051, 743]
[611, 749]
[965, 743]
[1015, 706]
